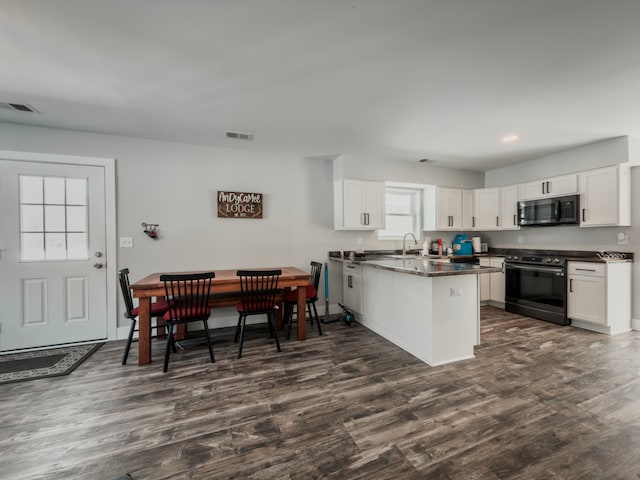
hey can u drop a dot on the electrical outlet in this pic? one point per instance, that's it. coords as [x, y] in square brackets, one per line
[623, 238]
[126, 242]
[456, 292]
[520, 239]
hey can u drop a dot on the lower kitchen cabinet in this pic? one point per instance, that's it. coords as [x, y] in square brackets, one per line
[352, 286]
[599, 296]
[492, 285]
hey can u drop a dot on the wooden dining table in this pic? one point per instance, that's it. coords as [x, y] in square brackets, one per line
[224, 287]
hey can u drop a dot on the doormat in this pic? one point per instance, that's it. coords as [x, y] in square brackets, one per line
[52, 362]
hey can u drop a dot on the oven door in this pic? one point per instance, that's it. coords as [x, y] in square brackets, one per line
[537, 291]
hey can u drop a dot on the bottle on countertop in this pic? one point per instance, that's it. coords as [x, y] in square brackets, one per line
[439, 246]
[425, 248]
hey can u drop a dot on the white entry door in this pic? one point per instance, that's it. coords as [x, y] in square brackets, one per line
[53, 287]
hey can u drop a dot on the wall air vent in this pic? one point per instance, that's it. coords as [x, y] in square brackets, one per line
[21, 107]
[239, 135]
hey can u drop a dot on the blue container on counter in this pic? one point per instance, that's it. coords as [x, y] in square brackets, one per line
[462, 246]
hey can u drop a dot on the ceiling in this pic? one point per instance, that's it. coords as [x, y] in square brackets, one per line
[403, 79]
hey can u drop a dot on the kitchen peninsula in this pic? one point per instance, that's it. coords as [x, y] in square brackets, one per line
[427, 307]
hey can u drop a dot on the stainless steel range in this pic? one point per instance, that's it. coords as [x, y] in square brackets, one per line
[536, 286]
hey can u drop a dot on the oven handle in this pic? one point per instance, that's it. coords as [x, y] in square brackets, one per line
[535, 269]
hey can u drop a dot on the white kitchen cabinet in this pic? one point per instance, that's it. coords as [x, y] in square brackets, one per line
[605, 197]
[492, 285]
[485, 281]
[497, 280]
[448, 208]
[549, 187]
[509, 208]
[468, 212]
[358, 204]
[599, 296]
[487, 208]
[352, 287]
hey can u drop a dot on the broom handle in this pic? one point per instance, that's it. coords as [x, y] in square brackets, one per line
[326, 289]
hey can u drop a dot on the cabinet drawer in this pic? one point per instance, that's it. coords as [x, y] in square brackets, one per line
[352, 268]
[587, 269]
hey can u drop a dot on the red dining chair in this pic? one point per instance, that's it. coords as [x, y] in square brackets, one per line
[158, 309]
[291, 298]
[188, 296]
[259, 289]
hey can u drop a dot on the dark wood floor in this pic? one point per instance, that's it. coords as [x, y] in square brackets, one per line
[539, 401]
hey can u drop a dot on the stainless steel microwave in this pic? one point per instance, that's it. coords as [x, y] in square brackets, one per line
[550, 211]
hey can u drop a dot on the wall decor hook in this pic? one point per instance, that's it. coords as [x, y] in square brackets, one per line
[150, 230]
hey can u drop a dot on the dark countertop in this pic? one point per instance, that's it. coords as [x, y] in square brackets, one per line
[428, 268]
[570, 255]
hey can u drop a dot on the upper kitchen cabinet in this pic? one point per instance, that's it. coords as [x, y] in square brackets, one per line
[549, 187]
[448, 208]
[468, 211]
[605, 197]
[358, 204]
[445, 208]
[509, 208]
[487, 208]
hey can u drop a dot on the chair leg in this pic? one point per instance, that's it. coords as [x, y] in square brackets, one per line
[237, 335]
[290, 318]
[315, 311]
[243, 319]
[129, 340]
[167, 350]
[309, 312]
[271, 318]
[206, 331]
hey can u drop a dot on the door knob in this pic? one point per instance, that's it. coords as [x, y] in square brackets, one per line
[98, 265]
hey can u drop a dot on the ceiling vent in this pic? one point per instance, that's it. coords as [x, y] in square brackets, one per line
[239, 135]
[21, 107]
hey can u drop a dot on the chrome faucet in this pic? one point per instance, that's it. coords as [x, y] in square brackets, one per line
[404, 241]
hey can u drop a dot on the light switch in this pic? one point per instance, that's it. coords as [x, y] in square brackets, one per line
[126, 242]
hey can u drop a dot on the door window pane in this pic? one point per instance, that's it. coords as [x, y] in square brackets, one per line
[76, 219]
[77, 246]
[55, 246]
[76, 191]
[30, 189]
[54, 190]
[32, 218]
[53, 218]
[33, 246]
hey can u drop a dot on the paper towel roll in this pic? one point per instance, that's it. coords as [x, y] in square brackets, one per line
[475, 241]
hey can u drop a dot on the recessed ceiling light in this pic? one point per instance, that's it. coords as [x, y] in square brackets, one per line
[510, 138]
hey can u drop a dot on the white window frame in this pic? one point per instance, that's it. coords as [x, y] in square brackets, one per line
[416, 211]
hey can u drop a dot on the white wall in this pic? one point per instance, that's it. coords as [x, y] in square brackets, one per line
[175, 186]
[599, 154]
[376, 168]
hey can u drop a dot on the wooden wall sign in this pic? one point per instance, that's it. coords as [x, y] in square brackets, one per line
[239, 205]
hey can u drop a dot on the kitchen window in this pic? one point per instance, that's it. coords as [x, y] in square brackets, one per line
[402, 213]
